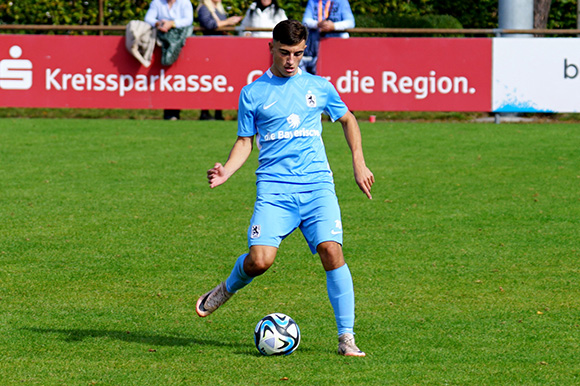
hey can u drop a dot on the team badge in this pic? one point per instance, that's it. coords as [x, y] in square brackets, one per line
[255, 232]
[310, 99]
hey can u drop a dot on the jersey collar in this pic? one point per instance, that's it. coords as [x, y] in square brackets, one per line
[271, 75]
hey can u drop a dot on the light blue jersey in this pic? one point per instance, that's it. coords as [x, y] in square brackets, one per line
[285, 116]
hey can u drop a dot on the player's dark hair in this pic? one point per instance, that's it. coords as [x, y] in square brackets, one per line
[290, 32]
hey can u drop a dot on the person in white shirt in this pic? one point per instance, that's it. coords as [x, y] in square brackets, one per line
[262, 14]
[167, 14]
[173, 20]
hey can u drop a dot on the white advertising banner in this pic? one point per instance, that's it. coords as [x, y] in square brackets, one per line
[536, 75]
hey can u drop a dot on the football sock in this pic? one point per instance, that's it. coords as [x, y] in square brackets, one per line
[238, 279]
[341, 295]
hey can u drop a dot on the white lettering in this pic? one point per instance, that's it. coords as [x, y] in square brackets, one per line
[164, 82]
[179, 84]
[460, 80]
[152, 81]
[89, 79]
[406, 84]
[193, 85]
[51, 79]
[112, 82]
[78, 82]
[291, 134]
[219, 83]
[423, 86]
[444, 85]
[126, 84]
[253, 75]
[350, 83]
[141, 83]
[99, 82]
[65, 78]
[367, 84]
[206, 85]
[420, 87]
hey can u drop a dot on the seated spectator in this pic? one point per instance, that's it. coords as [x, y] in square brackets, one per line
[324, 18]
[212, 15]
[174, 22]
[262, 14]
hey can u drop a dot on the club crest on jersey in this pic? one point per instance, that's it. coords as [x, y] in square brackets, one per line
[255, 232]
[310, 99]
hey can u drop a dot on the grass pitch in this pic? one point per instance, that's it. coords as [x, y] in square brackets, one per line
[465, 262]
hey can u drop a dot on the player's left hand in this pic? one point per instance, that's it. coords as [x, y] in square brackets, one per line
[364, 179]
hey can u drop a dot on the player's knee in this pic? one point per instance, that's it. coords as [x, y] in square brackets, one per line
[258, 261]
[331, 255]
[330, 249]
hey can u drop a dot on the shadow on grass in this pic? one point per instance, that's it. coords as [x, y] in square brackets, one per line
[77, 335]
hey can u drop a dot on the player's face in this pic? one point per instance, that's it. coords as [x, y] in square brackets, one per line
[286, 58]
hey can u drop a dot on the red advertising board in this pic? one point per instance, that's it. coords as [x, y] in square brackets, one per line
[99, 72]
[381, 74]
[410, 74]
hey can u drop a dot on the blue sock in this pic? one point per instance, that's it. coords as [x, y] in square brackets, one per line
[238, 278]
[341, 295]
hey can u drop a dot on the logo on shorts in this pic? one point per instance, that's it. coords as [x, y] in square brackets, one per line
[310, 99]
[337, 225]
[255, 232]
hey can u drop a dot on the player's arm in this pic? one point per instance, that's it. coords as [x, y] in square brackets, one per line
[238, 156]
[362, 175]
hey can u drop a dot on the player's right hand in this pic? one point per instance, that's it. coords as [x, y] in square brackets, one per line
[217, 175]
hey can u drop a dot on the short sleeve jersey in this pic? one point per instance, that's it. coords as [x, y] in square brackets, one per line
[285, 116]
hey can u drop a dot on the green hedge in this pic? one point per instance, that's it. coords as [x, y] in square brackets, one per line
[406, 21]
[469, 14]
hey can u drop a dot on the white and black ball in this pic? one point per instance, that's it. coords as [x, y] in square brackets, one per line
[277, 334]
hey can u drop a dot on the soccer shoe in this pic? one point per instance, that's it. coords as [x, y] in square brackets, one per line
[347, 347]
[210, 302]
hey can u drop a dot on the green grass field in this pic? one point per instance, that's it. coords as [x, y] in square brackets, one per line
[465, 263]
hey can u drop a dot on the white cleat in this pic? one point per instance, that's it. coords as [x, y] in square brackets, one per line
[347, 347]
[212, 300]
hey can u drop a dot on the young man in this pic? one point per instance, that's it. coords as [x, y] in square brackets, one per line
[295, 188]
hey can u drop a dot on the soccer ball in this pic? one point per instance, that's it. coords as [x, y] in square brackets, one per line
[277, 334]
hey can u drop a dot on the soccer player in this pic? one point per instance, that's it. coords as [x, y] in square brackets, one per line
[295, 189]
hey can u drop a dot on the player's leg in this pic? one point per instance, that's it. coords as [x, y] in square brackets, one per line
[341, 295]
[322, 228]
[247, 266]
[338, 285]
[271, 222]
[250, 265]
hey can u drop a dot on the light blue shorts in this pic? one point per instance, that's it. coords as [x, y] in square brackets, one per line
[316, 213]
